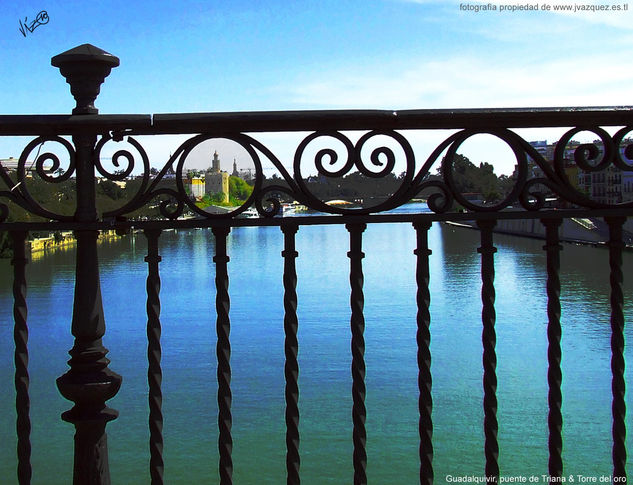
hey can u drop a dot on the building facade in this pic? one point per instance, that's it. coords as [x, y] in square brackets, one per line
[611, 185]
[216, 181]
[195, 187]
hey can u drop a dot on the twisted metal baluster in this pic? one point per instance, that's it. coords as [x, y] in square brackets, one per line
[423, 338]
[223, 351]
[154, 372]
[291, 347]
[554, 354]
[357, 324]
[618, 385]
[489, 340]
[21, 337]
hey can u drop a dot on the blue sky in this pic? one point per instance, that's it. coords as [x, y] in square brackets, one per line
[196, 56]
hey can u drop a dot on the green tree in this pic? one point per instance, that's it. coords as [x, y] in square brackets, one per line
[239, 189]
[109, 189]
[470, 178]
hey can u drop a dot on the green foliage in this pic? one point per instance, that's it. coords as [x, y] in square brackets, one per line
[61, 197]
[217, 199]
[353, 186]
[239, 189]
[55, 197]
[469, 178]
[110, 189]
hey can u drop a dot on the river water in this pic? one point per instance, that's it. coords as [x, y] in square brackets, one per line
[255, 271]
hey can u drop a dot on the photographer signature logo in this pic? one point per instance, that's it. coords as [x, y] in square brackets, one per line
[40, 19]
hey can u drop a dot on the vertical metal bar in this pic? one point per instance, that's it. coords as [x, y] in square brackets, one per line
[489, 340]
[554, 354]
[89, 383]
[154, 372]
[357, 324]
[21, 337]
[425, 401]
[618, 385]
[291, 347]
[223, 351]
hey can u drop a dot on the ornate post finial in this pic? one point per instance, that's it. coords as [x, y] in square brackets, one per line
[85, 67]
[89, 383]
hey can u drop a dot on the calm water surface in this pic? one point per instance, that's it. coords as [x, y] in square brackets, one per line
[255, 269]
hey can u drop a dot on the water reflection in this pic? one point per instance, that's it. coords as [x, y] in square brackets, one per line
[255, 269]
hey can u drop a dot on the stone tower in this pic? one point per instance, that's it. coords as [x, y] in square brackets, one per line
[216, 181]
[215, 165]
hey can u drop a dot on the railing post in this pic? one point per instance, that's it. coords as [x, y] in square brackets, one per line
[21, 337]
[423, 340]
[291, 350]
[489, 340]
[154, 355]
[554, 353]
[357, 324]
[89, 383]
[618, 364]
[223, 352]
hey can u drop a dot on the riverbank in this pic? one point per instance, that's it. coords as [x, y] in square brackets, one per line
[61, 240]
[586, 231]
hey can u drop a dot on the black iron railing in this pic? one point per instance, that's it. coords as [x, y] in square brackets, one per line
[89, 383]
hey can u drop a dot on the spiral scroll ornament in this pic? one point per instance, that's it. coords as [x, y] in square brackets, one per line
[512, 140]
[118, 156]
[441, 200]
[373, 155]
[605, 154]
[18, 190]
[329, 163]
[443, 187]
[185, 150]
[624, 148]
[270, 197]
[125, 170]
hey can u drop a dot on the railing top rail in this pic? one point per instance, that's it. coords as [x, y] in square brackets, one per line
[271, 121]
[385, 169]
[385, 119]
[42, 125]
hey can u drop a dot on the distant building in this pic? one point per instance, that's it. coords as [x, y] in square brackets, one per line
[216, 181]
[195, 187]
[627, 186]
[170, 174]
[608, 186]
[11, 165]
[245, 174]
[542, 148]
